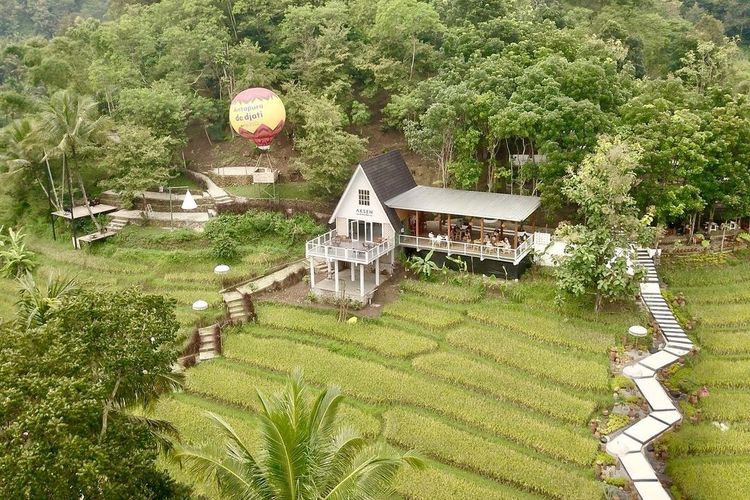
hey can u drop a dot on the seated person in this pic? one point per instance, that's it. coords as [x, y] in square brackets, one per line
[493, 240]
[506, 243]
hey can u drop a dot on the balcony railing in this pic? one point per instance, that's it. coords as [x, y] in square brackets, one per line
[514, 255]
[332, 246]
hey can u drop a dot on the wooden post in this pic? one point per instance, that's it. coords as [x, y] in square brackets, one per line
[515, 237]
[416, 228]
[502, 228]
[361, 280]
[377, 271]
[481, 231]
[449, 227]
[533, 223]
[312, 273]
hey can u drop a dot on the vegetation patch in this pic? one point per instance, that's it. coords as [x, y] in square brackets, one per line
[381, 339]
[506, 347]
[438, 439]
[507, 383]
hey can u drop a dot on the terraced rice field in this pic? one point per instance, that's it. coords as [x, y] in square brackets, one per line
[178, 265]
[707, 462]
[499, 408]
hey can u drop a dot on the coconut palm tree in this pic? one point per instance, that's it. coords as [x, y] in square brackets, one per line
[303, 453]
[21, 149]
[36, 303]
[70, 123]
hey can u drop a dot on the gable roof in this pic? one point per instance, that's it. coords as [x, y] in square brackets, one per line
[389, 176]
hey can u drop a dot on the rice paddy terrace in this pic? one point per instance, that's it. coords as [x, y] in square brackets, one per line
[709, 457]
[495, 391]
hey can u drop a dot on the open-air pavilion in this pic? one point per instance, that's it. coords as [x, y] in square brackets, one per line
[383, 208]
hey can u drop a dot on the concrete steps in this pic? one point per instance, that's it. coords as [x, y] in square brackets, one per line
[628, 445]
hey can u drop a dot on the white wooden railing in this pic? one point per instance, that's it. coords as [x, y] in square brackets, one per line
[331, 246]
[514, 255]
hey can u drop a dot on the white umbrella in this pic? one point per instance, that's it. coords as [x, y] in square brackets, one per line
[200, 305]
[189, 202]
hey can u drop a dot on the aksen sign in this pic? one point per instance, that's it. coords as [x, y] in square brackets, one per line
[365, 212]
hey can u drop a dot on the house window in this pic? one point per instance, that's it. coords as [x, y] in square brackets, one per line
[364, 197]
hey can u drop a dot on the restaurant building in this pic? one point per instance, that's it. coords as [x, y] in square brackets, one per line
[383, 211]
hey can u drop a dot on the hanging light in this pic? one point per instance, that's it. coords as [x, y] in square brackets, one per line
[189, 202]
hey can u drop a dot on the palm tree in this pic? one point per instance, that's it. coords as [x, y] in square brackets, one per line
[36, 303]
[70, 123]
[22, 149]
[304, 453]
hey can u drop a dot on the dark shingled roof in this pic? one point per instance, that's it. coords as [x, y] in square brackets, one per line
[389, 176]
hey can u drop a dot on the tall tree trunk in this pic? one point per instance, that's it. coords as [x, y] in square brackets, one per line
[107, 408]
[52, 187]
[66, 171]
[413, 56]
[83, 192]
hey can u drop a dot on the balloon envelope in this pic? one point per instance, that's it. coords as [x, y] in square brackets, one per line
[257, 114]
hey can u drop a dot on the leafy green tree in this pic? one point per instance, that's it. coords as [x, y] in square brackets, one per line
[160, 107]
[326, 152]
[66, 388]
[317, 39]
[596, 260]
[304, 452]
[139, 161]
[403, 29]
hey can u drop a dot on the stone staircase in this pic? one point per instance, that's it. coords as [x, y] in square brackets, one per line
[629, 444]
[117, 224]
[222, 199]
[208, 348]
[235, 306]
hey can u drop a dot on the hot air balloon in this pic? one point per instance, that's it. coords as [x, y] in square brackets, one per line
[257, 114]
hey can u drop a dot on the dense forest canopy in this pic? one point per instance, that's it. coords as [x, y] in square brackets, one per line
[470, 83]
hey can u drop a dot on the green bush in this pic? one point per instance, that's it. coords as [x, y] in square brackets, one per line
[447, 443]
[537, 325]
[385, 340]
[507, 383]
[559, 366]
[378, 384]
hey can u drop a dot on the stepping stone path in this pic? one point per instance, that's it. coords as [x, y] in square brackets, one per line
[628, 445]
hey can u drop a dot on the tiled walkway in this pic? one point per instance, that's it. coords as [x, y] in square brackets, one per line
[628, 446]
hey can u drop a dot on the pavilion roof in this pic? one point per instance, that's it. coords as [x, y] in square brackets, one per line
[507, 207]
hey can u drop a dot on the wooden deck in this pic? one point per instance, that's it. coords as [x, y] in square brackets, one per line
[81, 212]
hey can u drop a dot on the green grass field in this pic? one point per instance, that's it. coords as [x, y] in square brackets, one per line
[706, 462]
[284, 191]
[177, 264]
[499, 409]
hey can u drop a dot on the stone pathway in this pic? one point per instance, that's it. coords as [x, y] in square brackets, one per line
[218, 194]
[628, 445]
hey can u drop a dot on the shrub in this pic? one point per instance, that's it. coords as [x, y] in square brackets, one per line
[224, 247]
[507, 383]
[466, 450]
[384, 340]
[614, 422]
[542, 327]
[15, 258]
[378, 384]
[559, 366]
